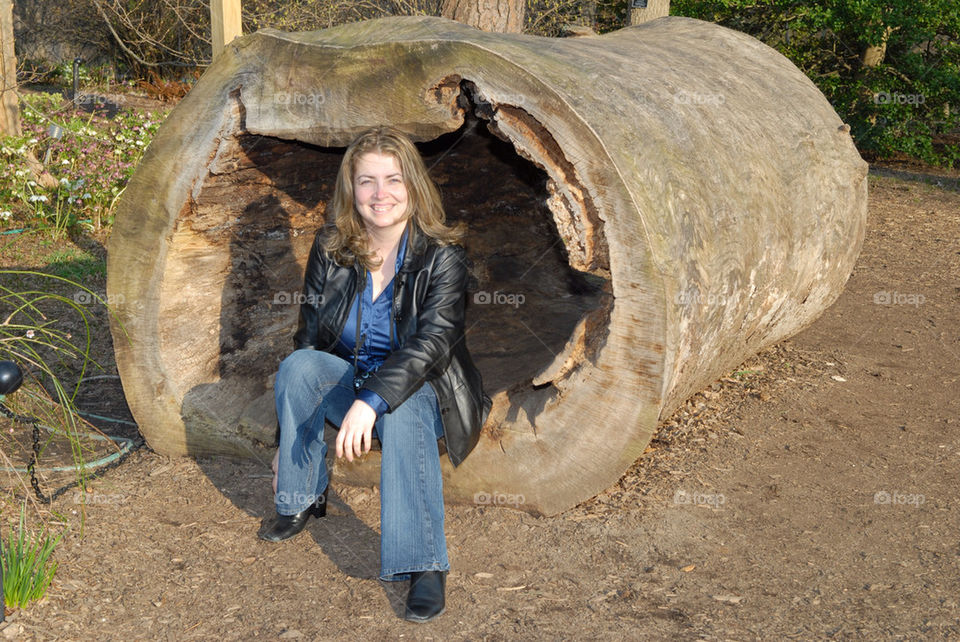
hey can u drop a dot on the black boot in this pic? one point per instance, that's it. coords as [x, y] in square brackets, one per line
[426, 598]
[286, 526]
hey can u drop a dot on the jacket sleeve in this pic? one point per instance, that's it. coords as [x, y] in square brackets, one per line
[440, 326]
[310, 298]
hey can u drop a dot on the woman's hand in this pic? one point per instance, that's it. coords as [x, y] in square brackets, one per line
[276, 470]
[356, 431]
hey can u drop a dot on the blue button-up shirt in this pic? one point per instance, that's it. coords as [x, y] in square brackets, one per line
[375, 318]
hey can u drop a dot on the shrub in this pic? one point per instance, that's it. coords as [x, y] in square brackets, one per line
[891, 68]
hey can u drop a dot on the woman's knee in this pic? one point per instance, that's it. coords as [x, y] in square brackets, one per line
[305, 363]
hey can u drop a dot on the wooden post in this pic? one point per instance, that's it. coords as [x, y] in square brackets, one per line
[224, 23]
[645, 11]
[9, 105]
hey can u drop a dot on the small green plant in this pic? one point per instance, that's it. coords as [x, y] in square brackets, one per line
[29, 337]
[28, 568]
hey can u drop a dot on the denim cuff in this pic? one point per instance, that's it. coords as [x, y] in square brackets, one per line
[401, 574]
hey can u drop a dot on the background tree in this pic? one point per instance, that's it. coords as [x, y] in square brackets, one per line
[9, 104]
[504, 16]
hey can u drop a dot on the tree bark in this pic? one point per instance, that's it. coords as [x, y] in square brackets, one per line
[502, 16]
[654, 9]
[709, 206]
[9, 103]
[873, 55]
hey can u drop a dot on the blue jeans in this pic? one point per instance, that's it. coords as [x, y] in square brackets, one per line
[313, 386]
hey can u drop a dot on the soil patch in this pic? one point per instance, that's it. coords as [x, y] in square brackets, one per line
[811, 493]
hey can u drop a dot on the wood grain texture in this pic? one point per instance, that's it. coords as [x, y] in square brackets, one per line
[693, 167]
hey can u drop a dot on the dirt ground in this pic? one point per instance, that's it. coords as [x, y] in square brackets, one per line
[811, 494]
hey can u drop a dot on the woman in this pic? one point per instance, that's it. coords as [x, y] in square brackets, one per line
[380, 348]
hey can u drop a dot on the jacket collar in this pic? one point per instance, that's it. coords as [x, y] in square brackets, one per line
[416, 247]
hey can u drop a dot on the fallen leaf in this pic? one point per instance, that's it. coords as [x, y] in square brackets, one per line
[837, 378]
[483, 576]
[688, 568]
[511, 588]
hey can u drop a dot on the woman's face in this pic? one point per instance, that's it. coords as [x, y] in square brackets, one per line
[379, 193]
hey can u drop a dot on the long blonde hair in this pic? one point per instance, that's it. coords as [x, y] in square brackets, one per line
[347, 241]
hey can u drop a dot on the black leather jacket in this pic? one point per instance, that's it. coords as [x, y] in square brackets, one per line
[429, 296]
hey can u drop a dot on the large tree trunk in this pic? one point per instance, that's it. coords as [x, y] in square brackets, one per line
[9, 104]
[503, 16]
[706, 207]
[647, 10]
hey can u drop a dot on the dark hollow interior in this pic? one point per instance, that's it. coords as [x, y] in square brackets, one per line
[525, 299]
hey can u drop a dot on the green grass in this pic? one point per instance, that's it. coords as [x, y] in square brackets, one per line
[28, 568]
[74, 264]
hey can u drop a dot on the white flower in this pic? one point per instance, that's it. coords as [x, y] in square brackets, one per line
[30, 334]
[139, 143]
[86, 195]
[6, 151]
[38, 197]
[5, 215]
[20, 173]
[64, 162]
[32, 141]
[65, 182]
[31, 183]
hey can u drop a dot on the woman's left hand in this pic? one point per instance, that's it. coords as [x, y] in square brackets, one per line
[356, 431]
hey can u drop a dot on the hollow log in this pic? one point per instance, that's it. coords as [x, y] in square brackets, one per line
[647, 209]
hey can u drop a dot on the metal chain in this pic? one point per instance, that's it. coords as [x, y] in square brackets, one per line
[31, 467]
